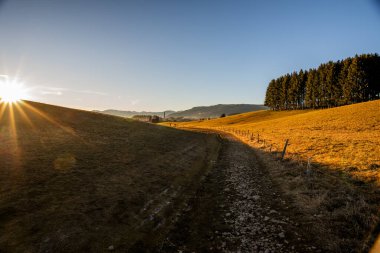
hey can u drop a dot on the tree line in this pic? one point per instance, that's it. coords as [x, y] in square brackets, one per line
[352, 80]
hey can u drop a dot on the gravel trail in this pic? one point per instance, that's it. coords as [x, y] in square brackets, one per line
[238, 209]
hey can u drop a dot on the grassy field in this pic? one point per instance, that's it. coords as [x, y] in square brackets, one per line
[338, 194]
[347, 137]
[75, 181]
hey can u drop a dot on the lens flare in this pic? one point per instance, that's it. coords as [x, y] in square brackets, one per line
[11, 91]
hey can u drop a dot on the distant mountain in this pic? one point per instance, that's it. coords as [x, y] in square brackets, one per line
[198, 112]
[215, 111]
[130, 114]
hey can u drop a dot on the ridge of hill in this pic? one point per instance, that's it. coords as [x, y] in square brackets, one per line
[215, 111]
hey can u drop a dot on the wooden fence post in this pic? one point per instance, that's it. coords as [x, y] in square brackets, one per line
[308, 168]
[284, 150]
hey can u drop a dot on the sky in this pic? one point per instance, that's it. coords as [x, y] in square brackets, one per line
[161, 55]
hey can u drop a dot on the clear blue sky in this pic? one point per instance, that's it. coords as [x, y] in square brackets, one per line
[158, 55]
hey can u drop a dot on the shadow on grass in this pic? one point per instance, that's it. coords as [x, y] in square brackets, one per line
[112, 183]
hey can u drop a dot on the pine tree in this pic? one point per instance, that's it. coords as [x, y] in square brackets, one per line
[333, 88]
[284, 99]
[344, 82]
[373, 63]
[270, 95]
[321, 86]
[293, 91]
[302, 78]
[309, 89]
[357, 81]
[316, 98]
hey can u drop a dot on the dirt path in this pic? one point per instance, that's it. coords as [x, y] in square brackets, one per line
[238, 209]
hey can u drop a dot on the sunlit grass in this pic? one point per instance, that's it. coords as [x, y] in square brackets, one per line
[344, 137]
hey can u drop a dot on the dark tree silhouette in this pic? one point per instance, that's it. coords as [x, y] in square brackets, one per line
[351, 80]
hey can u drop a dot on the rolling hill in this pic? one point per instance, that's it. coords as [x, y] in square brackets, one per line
[343, 137]
[77, 181]
[215, 111]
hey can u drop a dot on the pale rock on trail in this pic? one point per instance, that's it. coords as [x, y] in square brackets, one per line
[238, 209]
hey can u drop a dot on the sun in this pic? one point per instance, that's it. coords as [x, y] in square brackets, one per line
[11, 91]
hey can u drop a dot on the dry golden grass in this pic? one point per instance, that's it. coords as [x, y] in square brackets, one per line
[339, 195]
[75, 181]
[346, 137]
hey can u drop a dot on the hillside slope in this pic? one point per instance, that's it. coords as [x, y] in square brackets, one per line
[347, 136]
[76, 181]
[338, 191]
[215, 111]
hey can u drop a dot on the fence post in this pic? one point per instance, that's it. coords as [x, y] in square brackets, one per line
[308, 168]
[270, 148]
[284, 150]
[258, 138]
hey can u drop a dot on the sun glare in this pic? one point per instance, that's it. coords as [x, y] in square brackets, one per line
[11, 91]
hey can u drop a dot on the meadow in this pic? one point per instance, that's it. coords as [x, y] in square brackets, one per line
[72, 180]
[346, 137]
[330, 170]
[77, 181]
